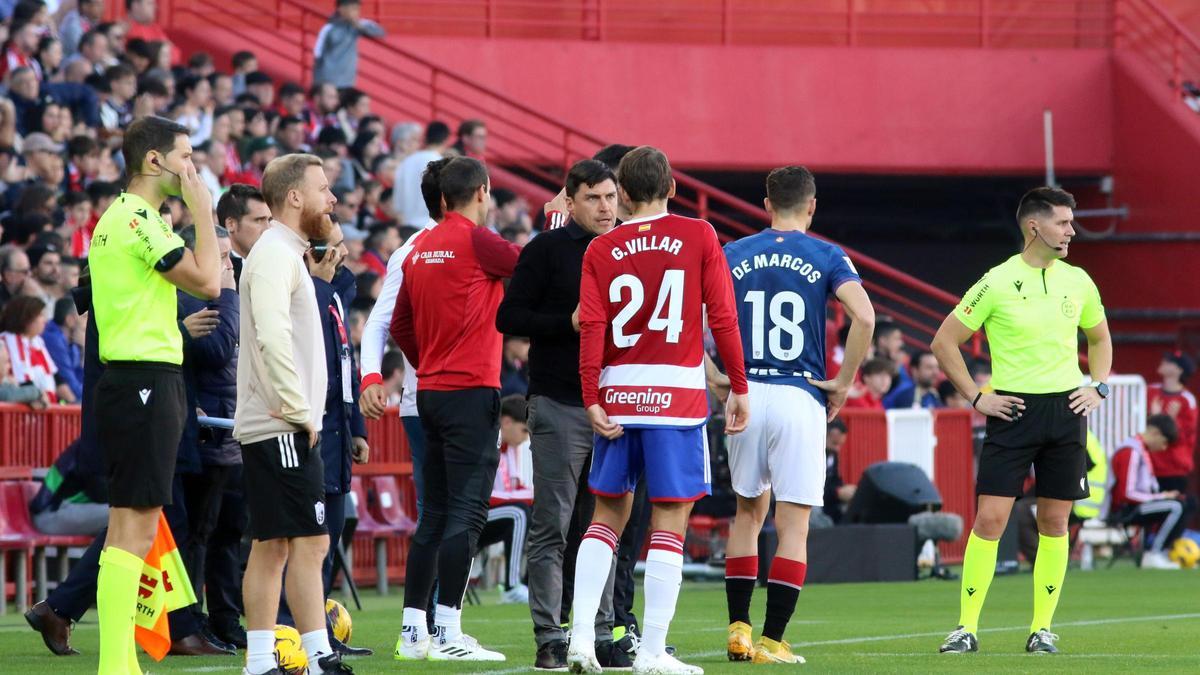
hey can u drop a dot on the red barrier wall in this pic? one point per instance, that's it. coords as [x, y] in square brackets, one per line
[835, 109]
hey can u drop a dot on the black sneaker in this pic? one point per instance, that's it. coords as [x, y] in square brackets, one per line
[959, 641]
[332, 663]
[230, 632]
[552, 656]
[1041, 642]
[630, 642]
[344, 649]
[613, 657]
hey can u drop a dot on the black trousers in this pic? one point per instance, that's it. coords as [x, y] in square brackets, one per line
[75, 596]
[203, 493]
[461, 456]
[224, 559]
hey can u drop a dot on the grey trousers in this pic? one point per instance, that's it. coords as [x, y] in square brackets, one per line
[73, 519]
[561, 445]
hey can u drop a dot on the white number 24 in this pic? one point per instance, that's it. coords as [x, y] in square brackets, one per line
[670, 299]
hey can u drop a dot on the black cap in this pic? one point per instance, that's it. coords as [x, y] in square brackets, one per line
[1185, 363]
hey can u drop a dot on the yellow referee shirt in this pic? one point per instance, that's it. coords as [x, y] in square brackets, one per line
[1031, 317]
[134, 306]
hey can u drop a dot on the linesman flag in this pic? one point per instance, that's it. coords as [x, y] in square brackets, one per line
[165, 587]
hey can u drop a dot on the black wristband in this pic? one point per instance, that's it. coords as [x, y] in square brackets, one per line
[977, 397]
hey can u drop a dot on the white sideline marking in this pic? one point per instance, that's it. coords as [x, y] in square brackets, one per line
[905, 636]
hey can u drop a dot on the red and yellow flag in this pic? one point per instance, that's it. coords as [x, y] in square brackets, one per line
[165, 587]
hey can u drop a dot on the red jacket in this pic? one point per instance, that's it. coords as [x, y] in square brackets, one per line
[1179, 459]
[445, 316]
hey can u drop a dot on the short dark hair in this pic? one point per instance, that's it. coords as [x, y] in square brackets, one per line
[431, 190]
[589, 172]
[79, 146]
[344, 3]
[149, 84]
[290, 89]
[515, 408]
[790, 187]
[946, 389]
[612, 154]
[258, 77]
[189, 83]
[37, 252]
[332, 136]
[146, 134]
[436, 133]
[287, 121]
[100, 189]
[393, 360]
[90, 37]
[468, 127]
[235, 203]
[241, 58]
[1166, 426]
[503, 196]
[351, 96]
[74, 198]
[459, 179]
[883, 329]
[199, 59]
[916, 359]
[645, 175]
[878, 365]
[119, 71]
[64, 307]
[138, 47]
[19, 313]
[1040, 202]
[837, 424]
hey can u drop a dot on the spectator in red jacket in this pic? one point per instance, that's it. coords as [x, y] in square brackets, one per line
[876, 380]
[1175, 465]
[142, 24]
[1138, 498]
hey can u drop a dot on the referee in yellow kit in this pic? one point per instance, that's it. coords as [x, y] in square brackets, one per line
[136, 262]
[1031, 307]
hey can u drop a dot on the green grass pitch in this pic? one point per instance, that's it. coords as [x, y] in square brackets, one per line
[1111, 621]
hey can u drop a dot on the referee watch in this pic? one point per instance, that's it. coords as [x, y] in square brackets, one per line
[1101, 388]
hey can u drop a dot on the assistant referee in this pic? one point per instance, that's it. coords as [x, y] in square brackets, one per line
[136, 262]
[1031, 307]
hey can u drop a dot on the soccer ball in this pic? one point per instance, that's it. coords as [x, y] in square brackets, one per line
[1186, 552]
[289, 652]
[339, 618]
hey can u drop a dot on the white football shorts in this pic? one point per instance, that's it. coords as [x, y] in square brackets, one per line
[783, 447]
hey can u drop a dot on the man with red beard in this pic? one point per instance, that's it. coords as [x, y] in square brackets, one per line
[282, 382]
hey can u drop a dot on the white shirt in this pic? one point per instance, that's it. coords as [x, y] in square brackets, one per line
[376, 330]
[406, 193]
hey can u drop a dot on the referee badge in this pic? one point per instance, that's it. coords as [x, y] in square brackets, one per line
[1068, 308]
[319, 508]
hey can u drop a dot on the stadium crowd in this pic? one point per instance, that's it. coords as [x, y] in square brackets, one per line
[73, 85]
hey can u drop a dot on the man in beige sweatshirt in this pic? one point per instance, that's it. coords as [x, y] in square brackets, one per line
[281, 399]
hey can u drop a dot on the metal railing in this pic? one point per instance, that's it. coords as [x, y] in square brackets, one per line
[1147, 28]
[852, 23]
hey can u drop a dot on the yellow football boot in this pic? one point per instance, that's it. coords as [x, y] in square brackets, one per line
[770, 651]
[741, 642]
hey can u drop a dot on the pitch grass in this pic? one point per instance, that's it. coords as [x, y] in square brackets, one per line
[1111, 621]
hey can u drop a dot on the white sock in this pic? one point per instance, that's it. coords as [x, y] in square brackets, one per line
[449, 619]
[316, 645]
[664, 575]
[591, 574]
[260, 651]
[416, 619]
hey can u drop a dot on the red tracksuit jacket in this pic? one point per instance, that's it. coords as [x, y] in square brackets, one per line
[445, 316]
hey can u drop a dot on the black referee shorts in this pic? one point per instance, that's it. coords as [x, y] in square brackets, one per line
[285, 487]
[141, 408]
[1048, 437]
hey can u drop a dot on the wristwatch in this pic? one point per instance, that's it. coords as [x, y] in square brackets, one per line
[1101, 388]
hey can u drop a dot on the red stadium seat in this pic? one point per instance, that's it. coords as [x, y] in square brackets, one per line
[12, 539]
[369, 528]
[390, 504]
[16, 496]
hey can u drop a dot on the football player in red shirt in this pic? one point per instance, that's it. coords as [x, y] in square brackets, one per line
[646, 288]
[1173, 466]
